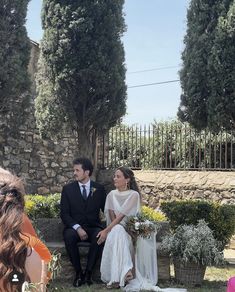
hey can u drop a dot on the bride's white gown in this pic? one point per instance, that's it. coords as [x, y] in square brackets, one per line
[118, 253]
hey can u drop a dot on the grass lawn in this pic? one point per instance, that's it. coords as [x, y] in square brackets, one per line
[215, 281]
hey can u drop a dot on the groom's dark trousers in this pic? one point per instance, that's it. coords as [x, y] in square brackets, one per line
[86, 213]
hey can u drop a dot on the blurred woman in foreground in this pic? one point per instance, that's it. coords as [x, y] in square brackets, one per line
[23, 257]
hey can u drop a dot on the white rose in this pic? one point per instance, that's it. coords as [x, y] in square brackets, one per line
[137, 225]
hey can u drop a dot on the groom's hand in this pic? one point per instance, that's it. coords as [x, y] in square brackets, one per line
[82, 233]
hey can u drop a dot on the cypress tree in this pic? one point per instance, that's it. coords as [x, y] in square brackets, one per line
[221, 105]
[81, 78]
[14, 59]
[197, 72]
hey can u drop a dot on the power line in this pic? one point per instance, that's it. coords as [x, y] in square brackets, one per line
[153, 69]
[155, 83]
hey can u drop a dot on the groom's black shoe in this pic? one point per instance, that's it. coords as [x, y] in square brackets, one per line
[76, 279]
[79, 279]
[88, 278]
[82, 280]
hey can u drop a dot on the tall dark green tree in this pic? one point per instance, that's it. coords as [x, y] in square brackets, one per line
[81, 78]
[221, 105]
[197, 71]
[14, 57]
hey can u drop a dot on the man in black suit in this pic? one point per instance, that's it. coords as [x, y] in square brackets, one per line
[81, 202]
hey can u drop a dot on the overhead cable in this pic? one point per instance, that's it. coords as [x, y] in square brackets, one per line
[155, 83]
[153, 69]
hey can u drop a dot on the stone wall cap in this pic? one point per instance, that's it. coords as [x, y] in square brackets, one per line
[213, 180]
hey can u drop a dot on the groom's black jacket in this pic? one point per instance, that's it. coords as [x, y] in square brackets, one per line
[76, 210]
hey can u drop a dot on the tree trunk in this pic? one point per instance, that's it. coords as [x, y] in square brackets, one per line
[87, 145]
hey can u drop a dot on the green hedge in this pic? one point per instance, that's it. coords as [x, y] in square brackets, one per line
[48, 206]
[38, 206]
[220, 218]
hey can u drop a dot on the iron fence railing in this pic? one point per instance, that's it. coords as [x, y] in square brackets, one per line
[166, 146]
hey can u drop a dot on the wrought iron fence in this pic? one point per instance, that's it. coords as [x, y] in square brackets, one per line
[167, 146]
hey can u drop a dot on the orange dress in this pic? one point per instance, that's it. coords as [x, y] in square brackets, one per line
[30, 237]
[27, 226]
[38, 246]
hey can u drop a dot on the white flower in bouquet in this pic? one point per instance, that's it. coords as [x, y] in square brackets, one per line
[137, 225]
[148, 223]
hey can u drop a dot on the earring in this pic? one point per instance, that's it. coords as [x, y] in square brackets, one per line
[127, 185]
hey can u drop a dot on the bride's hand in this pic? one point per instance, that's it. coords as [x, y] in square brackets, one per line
[101, 236]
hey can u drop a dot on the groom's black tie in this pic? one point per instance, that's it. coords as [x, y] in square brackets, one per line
[84, 194]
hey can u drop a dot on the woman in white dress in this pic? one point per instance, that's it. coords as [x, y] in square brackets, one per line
[117, 260]
[120, 265]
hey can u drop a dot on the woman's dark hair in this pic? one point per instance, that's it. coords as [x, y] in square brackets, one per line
[85, 163]
[128, 173]
[13, 249]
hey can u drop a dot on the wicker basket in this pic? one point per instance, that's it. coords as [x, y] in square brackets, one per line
[189, 273]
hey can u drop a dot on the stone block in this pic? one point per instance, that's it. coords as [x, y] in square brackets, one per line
[51, 229]
[164, 230]
[163, 264]
[56, 189]
[43, 190]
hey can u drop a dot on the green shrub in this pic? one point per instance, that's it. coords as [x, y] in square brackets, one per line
[38, 206]
[152, 215]
[220, 218]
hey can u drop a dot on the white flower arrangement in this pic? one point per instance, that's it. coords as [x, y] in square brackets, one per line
[195, 244]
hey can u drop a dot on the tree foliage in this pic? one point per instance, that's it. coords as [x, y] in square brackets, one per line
[208, 62]
[81, 78]
[221, 105]
[14, 57]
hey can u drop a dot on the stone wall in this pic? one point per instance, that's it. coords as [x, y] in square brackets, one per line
[217, 186]
[44, 164]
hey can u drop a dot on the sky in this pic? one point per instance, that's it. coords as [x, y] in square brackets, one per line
[153, 44]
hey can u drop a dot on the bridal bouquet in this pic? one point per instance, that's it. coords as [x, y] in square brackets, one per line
[139, 226]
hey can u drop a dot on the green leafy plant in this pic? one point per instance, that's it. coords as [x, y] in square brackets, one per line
[190, 243]
[38, 206]
[54, 266]
[220, 218]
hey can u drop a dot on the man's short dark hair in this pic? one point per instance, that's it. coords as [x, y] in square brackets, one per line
[85, 163]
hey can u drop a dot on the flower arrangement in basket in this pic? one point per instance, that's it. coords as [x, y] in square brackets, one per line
[192, 248]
